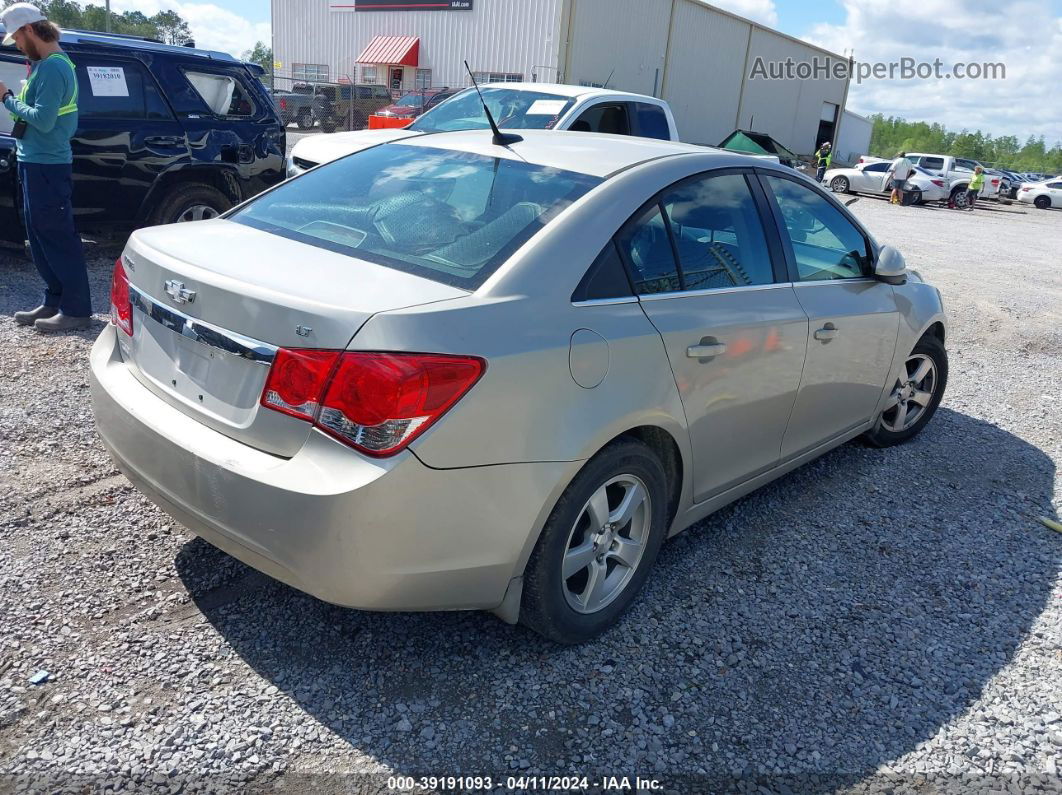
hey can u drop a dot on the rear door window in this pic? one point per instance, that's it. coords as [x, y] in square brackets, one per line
[453, 217]
[933, 163]
[652, 121]
[110, 88]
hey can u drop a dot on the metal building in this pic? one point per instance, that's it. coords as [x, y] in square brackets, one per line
[699, 58]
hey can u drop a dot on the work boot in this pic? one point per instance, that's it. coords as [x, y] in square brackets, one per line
[41, 312]
[61, 322]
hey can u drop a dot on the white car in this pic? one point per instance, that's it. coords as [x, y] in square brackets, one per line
[1044, 195]
[516, 106]
[871, 178]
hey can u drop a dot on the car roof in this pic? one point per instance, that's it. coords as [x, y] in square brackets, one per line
[593, 154]
[92, 38]
[575, 92]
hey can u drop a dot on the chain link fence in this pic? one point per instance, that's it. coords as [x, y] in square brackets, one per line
[344, 106]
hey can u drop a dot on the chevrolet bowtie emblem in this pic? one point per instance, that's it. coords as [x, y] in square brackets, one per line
[178, 292]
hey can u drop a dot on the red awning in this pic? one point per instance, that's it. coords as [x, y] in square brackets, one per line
[404, 50]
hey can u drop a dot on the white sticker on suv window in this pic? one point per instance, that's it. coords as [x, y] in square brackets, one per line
[546, 107]
[107, 81]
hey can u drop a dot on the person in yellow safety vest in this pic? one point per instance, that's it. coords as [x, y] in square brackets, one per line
[823, 158]
[45, 116]
[977, 181]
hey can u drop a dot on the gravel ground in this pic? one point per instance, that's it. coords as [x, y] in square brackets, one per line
[877, 620]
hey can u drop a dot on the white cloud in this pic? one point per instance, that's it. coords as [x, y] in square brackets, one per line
[213, 27]
[759, 10]
[1024, 35]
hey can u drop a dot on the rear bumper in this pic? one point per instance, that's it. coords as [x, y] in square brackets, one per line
[378, 535]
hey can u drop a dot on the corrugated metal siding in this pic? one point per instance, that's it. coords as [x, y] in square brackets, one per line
[628, 36]
[853, 139]
[512, 36]
[704, 71]
[787, 110]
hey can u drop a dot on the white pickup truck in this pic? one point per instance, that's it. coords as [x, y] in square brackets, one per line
[516, 106]
[957, 171]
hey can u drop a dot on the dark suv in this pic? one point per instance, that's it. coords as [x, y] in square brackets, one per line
[165, 133]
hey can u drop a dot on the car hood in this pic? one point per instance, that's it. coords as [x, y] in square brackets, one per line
[326, 148]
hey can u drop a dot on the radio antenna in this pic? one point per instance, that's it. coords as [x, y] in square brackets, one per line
[500, 138]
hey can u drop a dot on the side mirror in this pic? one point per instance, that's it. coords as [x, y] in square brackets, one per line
[890, 266]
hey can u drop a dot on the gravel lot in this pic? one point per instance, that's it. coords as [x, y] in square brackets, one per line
[877, 620]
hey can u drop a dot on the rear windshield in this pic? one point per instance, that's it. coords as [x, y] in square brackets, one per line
[513, 109]
[452, 217]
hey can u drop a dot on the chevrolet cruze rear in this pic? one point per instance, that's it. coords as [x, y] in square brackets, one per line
[443, 374]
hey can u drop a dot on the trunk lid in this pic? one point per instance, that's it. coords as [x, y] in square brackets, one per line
[213, 300]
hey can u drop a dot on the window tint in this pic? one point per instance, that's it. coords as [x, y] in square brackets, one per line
[969, 165]
[223, 94]
[449, 216]
[931, 162]
[879, 167]
[605, 278]
[645, 245]
[825, 244]
[110, 89]
[611, 118]
[652, 121]
[718, 233]
[1054, 185]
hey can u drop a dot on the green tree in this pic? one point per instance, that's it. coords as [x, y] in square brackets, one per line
[263, 56]
[171, 28]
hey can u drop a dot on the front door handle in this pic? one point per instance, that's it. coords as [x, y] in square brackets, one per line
[706, 351]
[826, 333]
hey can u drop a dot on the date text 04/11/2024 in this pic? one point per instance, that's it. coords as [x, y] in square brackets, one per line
[525, 783]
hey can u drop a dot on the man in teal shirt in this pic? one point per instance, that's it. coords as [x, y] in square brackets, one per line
[45, 115]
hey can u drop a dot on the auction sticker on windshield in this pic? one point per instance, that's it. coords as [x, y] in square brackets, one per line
[546, 107]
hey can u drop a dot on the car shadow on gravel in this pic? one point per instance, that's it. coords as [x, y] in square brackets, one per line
[829, 623]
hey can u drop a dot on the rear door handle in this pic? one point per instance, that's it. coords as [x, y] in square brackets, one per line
[706, 351]
[163, 140]
[826, 333]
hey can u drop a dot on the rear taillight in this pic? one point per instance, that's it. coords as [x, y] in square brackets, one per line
[375, 402]
[995, 182]
[121, 308]
[297, 381]
[283, 104]
[938, 182]
[1025, 189]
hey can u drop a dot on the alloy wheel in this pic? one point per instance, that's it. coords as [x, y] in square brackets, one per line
[912, 394]
[606, 544]
[197, 212]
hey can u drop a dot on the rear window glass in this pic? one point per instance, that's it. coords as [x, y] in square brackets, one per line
[453, 217]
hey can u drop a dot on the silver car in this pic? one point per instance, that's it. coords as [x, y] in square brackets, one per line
[443, 374]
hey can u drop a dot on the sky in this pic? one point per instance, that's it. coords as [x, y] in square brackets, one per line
[1024, 35]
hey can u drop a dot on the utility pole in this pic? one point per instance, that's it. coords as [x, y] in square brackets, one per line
[107, 25]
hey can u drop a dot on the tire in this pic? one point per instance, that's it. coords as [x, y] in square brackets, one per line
[958, 198]
[916, 198]
[890, 430]
[1042, 202]
[563, 610]
[185, 201]
[839, 185]
[304, 119]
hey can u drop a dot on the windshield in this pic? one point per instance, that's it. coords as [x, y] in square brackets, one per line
[453, 217]
[412, 101]
[512, 108]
